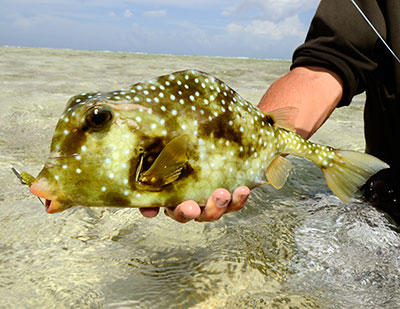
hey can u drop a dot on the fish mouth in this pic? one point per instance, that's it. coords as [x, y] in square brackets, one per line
[51, 204]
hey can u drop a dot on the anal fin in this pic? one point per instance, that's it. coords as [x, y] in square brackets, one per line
[278, 171]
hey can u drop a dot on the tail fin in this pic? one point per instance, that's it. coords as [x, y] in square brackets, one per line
[349, 171]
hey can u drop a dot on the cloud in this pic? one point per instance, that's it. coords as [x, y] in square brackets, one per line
[156, 13]
[268, 9]
[287, 27]
[128, 14]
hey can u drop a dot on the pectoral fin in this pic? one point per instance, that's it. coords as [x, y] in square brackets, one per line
[278, 171]
[167, 167]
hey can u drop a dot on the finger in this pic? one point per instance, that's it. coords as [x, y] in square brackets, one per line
[150, 212]
[184, 212]
[239, 199]
[216, 206]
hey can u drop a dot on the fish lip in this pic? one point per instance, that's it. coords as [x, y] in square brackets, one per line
[51, 204]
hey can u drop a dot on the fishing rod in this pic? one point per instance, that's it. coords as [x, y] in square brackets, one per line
[374, 29]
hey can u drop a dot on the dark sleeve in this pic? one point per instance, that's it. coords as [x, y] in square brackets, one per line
[340, 40]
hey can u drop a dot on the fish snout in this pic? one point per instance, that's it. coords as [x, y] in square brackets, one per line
[41, 188]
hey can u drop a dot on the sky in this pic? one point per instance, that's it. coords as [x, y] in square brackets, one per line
[225, 28]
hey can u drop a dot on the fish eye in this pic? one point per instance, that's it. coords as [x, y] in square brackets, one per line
[98, 117]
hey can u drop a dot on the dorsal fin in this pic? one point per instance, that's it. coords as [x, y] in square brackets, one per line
[284, 117]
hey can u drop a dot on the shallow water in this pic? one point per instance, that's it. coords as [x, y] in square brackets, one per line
[299, 246]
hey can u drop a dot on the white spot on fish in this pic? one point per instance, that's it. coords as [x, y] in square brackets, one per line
[78, 171]
[111, 175]
[103, 189]
[174, 112]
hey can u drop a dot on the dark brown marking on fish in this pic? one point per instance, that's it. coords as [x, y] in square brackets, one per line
[219, 128]
[72, 142]
[269, 120]
[115, 199]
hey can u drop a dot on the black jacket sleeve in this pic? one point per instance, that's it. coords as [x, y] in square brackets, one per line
[340, 40]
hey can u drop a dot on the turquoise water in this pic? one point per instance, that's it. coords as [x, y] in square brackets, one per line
[299, 246]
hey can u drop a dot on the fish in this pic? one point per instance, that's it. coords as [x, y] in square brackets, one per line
[178, 137]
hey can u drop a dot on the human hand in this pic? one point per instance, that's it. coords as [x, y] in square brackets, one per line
[219, 203]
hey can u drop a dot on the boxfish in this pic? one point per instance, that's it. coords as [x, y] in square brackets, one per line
[174, 138]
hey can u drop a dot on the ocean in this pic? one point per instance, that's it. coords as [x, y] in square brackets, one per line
[299, 247]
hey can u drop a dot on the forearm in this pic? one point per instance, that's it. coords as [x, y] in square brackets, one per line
[314, 91]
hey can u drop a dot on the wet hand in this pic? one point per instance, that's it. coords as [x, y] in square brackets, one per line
[219, 203]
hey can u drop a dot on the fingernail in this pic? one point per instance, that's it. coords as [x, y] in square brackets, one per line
[185, 216]
[221, 203]
[244, 197]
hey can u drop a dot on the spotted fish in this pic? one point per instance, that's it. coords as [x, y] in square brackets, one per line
[175, 138]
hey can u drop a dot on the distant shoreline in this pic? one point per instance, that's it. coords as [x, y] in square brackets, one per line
[141, 53]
